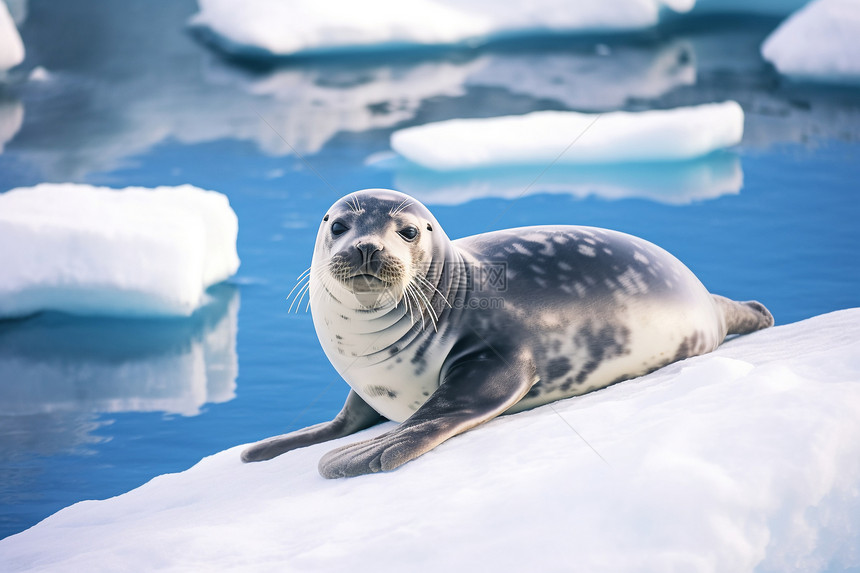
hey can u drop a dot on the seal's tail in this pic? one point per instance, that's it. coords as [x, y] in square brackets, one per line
[743, 317]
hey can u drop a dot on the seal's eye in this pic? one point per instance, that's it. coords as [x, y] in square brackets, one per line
[338, 228]
[409, 233]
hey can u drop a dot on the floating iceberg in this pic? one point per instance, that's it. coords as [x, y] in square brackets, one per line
[93, 250]
[747, 459]
[275, 28]
[11, 46]
[566, 137]
[819, 42]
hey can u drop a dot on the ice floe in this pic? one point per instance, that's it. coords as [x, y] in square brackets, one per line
[819, 42]
[567, 137]
[747, 459]
[273, 28]
[93, 250]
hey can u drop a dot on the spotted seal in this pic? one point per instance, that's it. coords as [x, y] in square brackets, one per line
[444, 335]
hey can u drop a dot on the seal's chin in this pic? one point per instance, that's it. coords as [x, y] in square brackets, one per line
[370, 291]
[361, 284]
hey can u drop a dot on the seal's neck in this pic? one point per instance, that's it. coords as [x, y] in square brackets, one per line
[349, 330]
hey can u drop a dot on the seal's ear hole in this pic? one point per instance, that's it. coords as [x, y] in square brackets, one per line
[429, 228]
[325, 218]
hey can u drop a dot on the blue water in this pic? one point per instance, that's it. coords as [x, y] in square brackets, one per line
[92, 408]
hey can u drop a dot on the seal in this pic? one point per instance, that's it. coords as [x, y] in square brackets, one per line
[445, 335]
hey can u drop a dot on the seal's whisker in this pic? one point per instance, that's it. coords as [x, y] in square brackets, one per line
[354, 205]
[417, 301]
[301, 283]
[305, 272]
[407, 298]
[432, 286]
[406, 203]
[299, 296]
[430, 310]
[305, 276]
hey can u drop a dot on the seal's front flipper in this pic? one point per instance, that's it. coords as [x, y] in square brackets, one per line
[356, 415]
[473, 391]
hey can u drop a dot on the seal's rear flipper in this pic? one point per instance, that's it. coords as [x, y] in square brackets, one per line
[743, 317]
[356, 415]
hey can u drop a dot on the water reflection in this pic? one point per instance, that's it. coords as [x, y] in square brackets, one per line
[160, 87]
[594, 78]
[672, 183]
[56, 371]
[11, 118]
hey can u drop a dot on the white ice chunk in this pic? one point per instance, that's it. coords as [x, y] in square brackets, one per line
[819, 42]
[11, 46]
[744, 460]
[567, 137]
[273, 27]
[93, 250]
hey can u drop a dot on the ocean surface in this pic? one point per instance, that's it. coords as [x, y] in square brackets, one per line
[125, 95]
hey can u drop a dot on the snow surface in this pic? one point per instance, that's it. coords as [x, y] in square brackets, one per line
[93, 250]
[745, 459]
[548, 137]
[273, 27]
[11, 46]
[819, 42]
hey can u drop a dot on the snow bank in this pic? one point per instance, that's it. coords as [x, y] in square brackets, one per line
[745, 459]
[819, 42]
[11, 46]
[547, 137]
[272, 27]
[94, 250]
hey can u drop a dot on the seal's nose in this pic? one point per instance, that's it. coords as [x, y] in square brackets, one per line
[367, 250]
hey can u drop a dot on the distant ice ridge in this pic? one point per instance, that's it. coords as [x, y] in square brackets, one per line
[568, 137]
[11, 46]
[743, 460]
[93, 250]
[819, 42]
[274, 27]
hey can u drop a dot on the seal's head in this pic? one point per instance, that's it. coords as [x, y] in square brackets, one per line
[374, 248]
